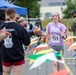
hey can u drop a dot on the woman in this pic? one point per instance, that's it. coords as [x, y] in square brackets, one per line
[12, 50]
[56, 32]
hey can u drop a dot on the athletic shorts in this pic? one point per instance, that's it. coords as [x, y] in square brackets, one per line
[13, 63]
[58, 49]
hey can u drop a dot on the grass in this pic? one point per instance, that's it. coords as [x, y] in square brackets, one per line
[66, 22]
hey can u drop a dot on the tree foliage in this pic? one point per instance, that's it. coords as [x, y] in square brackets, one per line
[32, 6]
[71, 5]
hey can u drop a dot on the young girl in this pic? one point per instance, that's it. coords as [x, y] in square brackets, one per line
[56, 32]
[12, 50]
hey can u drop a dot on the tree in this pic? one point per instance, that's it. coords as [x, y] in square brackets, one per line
[32, 6]
[71, 5]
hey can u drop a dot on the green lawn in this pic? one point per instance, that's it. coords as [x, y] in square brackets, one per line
[66, 22]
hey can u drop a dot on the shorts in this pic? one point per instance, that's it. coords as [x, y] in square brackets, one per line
[58, 49]
[13, 63]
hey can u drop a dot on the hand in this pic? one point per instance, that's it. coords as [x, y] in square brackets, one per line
[37, 30]
[25, 52]
[63, 34]
[4, 34]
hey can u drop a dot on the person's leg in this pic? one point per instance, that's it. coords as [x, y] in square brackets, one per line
[58, 66]
[7, 66]
[6, 70]
[17, 67]
[54, 66]
[17, 70]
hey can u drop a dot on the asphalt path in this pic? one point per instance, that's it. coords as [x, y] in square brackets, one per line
[46, 68]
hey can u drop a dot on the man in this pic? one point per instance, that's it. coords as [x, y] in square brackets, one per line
[73, 24]
[3, 35]
[31, 30]
[29, 25]
[38, 23]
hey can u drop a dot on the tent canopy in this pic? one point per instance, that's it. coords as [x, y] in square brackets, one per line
[19, 10]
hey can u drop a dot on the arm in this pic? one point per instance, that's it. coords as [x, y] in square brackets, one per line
[36, 30]
[64, 31]
[46, 33]
[31, 33]
[25, 37]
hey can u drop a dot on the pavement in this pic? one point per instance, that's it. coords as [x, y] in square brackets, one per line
[46, 68]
